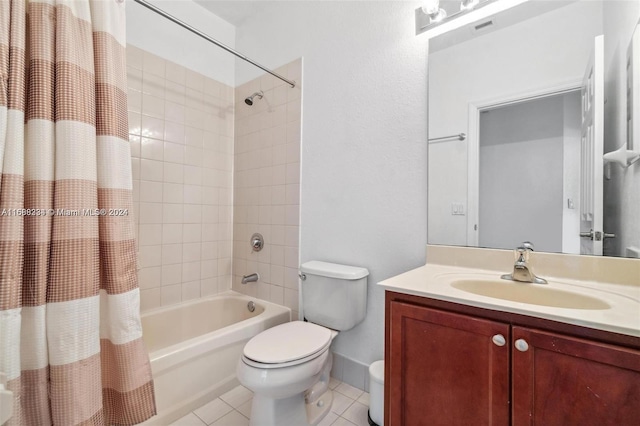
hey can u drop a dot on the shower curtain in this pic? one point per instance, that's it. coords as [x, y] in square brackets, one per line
[70, 332]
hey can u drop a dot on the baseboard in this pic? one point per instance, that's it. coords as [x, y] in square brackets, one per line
[351, 372]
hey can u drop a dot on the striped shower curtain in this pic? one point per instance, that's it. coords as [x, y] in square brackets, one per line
[70, 333]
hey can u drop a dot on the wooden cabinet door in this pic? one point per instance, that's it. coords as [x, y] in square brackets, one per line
[560, 380]
[445, 369]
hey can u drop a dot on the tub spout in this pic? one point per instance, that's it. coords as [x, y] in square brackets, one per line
[251, 278]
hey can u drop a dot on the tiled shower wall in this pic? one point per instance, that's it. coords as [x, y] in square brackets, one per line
[267, 186]
[181, 127]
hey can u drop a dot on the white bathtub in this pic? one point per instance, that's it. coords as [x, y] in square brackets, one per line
[194, 348]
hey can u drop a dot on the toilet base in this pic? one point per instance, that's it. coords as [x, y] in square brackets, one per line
[289, 411]
[316, 411]
[276, 412]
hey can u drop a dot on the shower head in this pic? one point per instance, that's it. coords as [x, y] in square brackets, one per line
[249, 100]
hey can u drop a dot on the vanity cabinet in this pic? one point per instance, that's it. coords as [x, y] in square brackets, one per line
[445, 369]
[450, 364]
[562, 380]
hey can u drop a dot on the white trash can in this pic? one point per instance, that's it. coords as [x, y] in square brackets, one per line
[376, 393]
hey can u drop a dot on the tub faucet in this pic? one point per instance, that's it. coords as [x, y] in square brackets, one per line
[251, 278]
[522, 271]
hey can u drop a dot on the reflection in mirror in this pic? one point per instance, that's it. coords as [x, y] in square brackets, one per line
[541, 97]
[523, 174]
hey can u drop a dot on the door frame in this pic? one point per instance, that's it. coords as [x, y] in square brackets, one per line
[473, 142]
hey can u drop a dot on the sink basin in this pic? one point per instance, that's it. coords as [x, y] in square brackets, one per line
[533, 294]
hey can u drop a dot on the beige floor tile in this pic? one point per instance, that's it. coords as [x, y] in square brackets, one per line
[364, 399]
[341, 421]
[328, 419]
[237, 396]
[245, 409]
[212, 411]
[350, 391]
[357, 413]
[340, 403]
[189, 420]
[333, 383]
[234, 418]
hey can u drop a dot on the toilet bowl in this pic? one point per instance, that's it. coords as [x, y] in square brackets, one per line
[288, 366]
[288, 369]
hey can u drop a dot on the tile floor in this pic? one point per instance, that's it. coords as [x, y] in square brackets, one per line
[350, 406]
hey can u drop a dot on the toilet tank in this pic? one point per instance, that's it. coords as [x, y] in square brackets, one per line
[333, 295]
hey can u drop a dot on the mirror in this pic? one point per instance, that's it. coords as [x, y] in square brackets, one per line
[522, 107]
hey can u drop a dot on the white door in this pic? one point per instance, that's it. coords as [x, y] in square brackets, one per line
[591, 151]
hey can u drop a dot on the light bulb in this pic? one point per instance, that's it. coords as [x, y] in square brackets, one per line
[468, 4]
[438, 16]
[431, 7]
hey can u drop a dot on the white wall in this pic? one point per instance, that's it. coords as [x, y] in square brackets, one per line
[363, 159]
[622, 192]
[447, 185]
[543, 52]
[155, 34]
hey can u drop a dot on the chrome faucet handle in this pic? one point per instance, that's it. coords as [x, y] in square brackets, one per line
[257, 242]
[527, 245]
[522, 252]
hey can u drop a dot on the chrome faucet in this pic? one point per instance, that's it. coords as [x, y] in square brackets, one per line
[251, 278]
[522, 271]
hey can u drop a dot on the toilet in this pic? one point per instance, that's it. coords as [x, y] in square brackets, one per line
[288, 366]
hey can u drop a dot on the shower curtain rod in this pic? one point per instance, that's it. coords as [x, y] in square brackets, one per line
[212, 40]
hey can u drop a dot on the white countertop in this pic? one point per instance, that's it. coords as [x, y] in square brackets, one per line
[434, 281]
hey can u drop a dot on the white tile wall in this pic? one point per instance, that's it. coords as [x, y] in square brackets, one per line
[267, 186]
[181, 131]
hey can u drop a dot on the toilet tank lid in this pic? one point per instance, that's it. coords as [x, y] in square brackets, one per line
[333, 270]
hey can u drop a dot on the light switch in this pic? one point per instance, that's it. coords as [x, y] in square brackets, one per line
[457, 209]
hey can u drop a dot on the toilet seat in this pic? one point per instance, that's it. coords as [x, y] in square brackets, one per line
[287, 344]
[256, 364]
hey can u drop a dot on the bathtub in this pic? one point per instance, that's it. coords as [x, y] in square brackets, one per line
[194, 348]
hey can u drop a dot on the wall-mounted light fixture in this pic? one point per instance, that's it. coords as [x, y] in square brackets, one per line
[433, 19]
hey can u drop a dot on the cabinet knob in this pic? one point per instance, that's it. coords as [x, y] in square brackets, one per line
[499, 340]
[522, 345]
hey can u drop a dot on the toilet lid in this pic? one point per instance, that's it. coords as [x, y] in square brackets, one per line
[287, 342]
